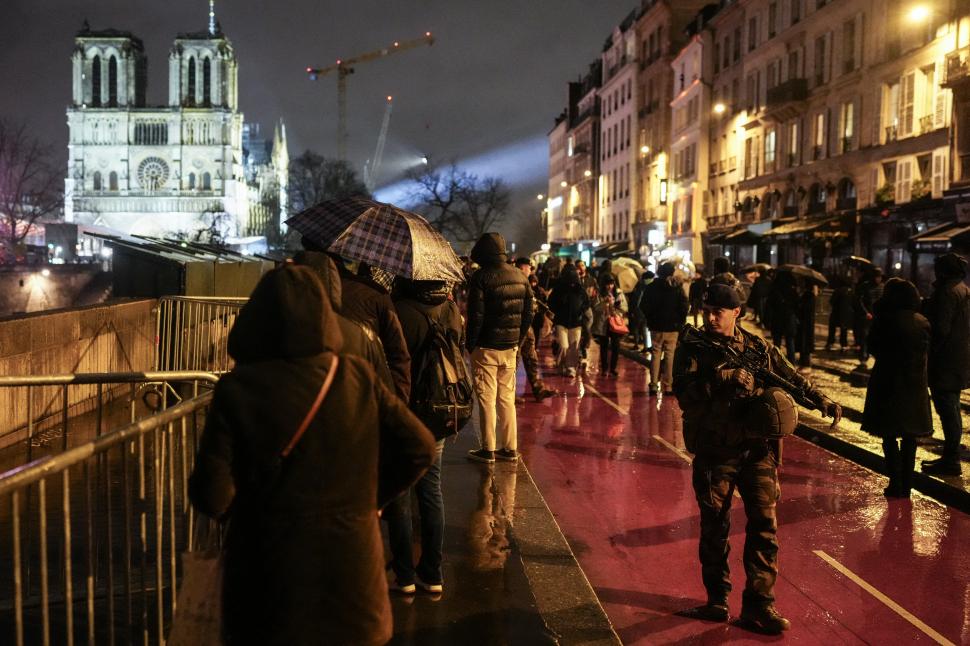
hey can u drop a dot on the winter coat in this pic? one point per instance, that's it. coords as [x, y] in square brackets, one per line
[368, 304]
[948, 310]
[358, 339]
[602, 311]
[695, 294]
[897, 399]
[841, 306]
[568, 300]
[499, 298]
[416, 301]
[304, 562]
[783, 302]
[665, 305]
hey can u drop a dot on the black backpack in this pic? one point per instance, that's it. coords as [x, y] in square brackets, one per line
[441, 393]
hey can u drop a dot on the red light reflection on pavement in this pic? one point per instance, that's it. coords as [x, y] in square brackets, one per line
[625, 502]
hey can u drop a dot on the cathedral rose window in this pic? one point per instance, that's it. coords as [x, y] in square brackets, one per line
[152, 173]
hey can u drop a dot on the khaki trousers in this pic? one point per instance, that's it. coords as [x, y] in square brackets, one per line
[494, 373]
[664, 344]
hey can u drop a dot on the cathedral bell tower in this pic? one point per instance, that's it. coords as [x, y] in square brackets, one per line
[202, 69]
[108, 69]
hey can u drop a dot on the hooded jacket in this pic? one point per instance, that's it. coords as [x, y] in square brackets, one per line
[415, 300]
[948, 310]
[303, 554]
[358, 339]
[568, 300]
[499, 298]
[665, 303]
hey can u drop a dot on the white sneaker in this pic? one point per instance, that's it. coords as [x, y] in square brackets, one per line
[431, 588]
[408, 589]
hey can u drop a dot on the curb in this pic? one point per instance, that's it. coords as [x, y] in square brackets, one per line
[814, 430]
[564, 597]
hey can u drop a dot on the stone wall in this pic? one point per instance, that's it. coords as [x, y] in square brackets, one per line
[103, 338]
[25, 289]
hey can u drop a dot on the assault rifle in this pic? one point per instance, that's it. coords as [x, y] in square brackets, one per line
[749, 359]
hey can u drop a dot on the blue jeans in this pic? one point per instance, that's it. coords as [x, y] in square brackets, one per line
[947, 404]
[431, 508]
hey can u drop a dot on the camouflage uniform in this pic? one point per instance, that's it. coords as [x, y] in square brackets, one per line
[715, 431]
[530, 361]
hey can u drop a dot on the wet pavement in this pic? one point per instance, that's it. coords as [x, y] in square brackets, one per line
[855, 568]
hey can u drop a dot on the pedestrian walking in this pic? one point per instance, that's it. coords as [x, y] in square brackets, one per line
[806, 325]
[948, 310]
[733, 432]
[759, 296]
[866, 292]
[783, 303]
[897, 405]
[570, 306]
[303, 560]
[695, 296]
[419, 305]
[666, 308]
[609, 324]
[840, 313]
[499, 316]
[638, 322]
[527, 350]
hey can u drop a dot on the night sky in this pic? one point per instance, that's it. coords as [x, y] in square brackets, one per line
[485, 94]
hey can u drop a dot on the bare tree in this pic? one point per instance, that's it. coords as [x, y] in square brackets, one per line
[314, 178]
[461, 205]
[30, 184]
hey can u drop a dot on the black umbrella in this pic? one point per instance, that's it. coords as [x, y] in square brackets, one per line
[760, 267]
[802, 271]
[859, 261]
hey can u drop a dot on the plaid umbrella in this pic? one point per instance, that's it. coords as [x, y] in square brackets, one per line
[382, 235]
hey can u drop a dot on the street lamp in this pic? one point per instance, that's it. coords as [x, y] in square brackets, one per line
[587, 173]
[540, 196]
[644, 150]
[918, 14]
[719, 108]
[564, 184]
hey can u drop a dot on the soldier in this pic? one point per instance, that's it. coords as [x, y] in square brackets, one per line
[731, 422]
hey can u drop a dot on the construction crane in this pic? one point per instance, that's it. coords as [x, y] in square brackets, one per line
[345, 67]
[372, 167]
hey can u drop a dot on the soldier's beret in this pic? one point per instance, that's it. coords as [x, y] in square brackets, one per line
[720, 295]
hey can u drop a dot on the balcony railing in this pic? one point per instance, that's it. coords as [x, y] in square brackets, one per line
[957, 67]
[891, 133]
[926, 124]
[790, 90]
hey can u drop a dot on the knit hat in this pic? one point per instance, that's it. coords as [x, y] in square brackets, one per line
[721, 296]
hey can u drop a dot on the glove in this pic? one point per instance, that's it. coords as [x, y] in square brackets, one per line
[738, 377]
[829, 408]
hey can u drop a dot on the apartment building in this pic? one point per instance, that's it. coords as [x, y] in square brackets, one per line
[554, 215]
[582, 156]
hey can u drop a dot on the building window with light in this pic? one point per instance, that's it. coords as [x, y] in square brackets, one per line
[819, 149]
[820, 60]
[770, 145]
[796, 11]
[752, 34]
[96, 181]
[793, 144]
[847, 125]
[907, 94]
[848, 46]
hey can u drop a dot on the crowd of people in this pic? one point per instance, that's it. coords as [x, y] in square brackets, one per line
[329, 363]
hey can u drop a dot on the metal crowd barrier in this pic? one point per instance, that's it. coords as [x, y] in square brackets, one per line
[90, 538]
[193, 331]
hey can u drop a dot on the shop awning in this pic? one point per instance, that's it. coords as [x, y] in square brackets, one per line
[799, 227]
[940, 239]
[742, 236]
[611, 249]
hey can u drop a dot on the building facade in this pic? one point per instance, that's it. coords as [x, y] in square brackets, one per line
[158, 170]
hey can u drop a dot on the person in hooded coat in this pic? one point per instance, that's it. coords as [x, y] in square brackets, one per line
[304, 562]
[897, 405]
[569, 303]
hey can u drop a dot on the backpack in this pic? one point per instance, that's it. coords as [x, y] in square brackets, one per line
[442, 395]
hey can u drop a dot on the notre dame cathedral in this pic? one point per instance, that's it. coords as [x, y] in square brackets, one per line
[173, 169]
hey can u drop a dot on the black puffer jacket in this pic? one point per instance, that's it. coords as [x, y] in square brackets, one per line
[568, 300]
[665, 305]
[499, 298]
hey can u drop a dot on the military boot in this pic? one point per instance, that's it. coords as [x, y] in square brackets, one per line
[764, 619]
[713, 610]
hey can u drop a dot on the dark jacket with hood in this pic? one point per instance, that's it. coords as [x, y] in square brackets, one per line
[367, 303]
[416, 302]
[304, 562]
[569, 300]
[499, 298]
[359, 339]
[948, 310]
[664, 302]
[897, 399]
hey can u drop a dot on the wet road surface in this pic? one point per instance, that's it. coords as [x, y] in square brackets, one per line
[854, 567]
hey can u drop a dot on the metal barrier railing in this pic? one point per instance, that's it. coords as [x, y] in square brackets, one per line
[90, 537]
[192, 332]
[51, 407]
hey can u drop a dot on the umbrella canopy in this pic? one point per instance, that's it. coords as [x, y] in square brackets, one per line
[804, 272]
[623, 261]
[626, 277]
[398, 241]
[760, 267]
[859, 261]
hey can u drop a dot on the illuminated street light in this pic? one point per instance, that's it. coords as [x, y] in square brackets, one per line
[540, 196]
[587, 173]
[919, 13]
[45, 272]
[719, 108]
[563, 183]
[644, 149]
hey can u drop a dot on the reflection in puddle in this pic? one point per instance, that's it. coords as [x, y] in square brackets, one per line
[491, 521]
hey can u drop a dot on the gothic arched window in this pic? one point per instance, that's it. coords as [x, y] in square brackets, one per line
[190, 95]
[113, 82]
[191, 181]
[207, 81]
[113, 181]
[97, 180]
[96, 82]
[206, 182]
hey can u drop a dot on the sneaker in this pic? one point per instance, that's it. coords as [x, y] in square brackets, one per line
[430, 588]
[571, 372]
[710, 611]
[481, 455]
[544, 393]
[765, 619]
[407, 588]
[507, 455]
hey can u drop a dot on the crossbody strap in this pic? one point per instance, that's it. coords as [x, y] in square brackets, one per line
[313, 409]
